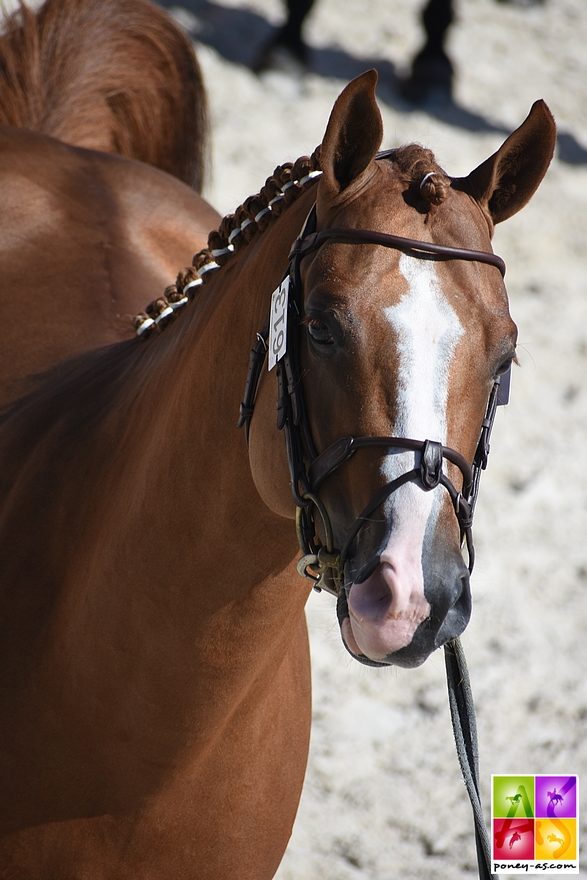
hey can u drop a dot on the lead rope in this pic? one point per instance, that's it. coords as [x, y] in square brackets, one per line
[464, 725]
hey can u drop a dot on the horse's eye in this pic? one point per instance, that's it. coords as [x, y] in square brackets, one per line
[319, 332]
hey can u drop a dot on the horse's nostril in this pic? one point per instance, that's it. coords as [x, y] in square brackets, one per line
[457, 615]
[366, 570]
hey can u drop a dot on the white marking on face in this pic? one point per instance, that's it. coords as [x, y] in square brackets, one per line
[427, 331]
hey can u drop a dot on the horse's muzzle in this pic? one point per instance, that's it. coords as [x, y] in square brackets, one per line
[384, 621]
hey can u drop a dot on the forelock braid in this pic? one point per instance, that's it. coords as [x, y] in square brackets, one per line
[428, 183]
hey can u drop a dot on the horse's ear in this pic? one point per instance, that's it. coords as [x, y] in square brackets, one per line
[353, 134]
[508, 179]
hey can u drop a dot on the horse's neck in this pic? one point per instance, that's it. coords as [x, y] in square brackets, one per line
[196, 458]
[152, 549]
[150, 629]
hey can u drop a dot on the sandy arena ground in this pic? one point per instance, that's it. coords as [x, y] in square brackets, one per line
[383, 795]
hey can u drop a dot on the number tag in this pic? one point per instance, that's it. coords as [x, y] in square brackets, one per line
[278, 323]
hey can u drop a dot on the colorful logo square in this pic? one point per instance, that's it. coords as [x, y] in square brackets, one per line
[556, 839]
[556, 797]
[513, 839]
[535, 821]
[513, 796]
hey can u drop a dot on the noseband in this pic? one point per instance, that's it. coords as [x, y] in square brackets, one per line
[321, 561]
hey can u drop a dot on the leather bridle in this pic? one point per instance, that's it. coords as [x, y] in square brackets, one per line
[321, 561]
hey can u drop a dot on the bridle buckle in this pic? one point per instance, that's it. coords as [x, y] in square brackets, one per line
[323, 568]
[431, 464]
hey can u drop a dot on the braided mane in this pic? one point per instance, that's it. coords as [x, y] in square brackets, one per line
[282, 188]
[415, 165]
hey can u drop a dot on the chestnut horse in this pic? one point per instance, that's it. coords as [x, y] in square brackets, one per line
[85, 235]
[155, 669]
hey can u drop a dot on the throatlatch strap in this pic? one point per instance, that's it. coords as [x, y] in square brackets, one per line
[464, 725]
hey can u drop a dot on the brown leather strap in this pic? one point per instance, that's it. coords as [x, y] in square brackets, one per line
[311, 241]
[256, 361]
[343, 448]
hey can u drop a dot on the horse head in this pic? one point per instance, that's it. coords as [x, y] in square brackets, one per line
[399, 342]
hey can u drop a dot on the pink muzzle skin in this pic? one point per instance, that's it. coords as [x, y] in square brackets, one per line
[388, 606]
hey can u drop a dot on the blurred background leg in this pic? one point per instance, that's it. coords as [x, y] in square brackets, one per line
[432, 71]
[286, 49]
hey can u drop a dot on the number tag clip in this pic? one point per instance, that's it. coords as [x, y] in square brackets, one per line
[278, 323]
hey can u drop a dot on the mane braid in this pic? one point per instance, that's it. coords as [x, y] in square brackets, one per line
[236, 230]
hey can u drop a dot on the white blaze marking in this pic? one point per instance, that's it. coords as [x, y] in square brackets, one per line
[427, 331]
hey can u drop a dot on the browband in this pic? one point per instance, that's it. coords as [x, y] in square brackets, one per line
[422, 249]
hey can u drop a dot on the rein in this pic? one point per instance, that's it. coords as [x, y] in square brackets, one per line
[322, 562]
